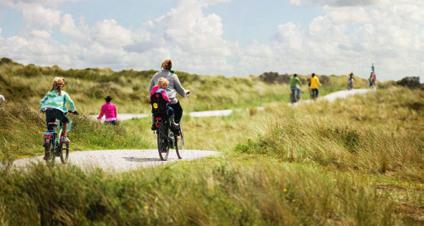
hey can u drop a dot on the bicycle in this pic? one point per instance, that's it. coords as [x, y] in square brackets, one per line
[53, 145]
[168, 138]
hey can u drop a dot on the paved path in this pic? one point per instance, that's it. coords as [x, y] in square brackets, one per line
[120, 160]
[336, 95]
[124, 160]
[197, 114]
[221, 113]
[344, 94]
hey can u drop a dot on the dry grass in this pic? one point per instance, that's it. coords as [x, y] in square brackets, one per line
[233, 191]
[376, 133]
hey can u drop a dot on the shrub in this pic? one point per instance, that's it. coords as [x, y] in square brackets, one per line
[410, 82]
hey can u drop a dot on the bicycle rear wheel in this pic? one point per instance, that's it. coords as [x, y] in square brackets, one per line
[162, 141]
[50, 149]
[64, 153]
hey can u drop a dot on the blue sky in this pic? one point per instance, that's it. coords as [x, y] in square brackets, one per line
[229, 37]
[245, 21]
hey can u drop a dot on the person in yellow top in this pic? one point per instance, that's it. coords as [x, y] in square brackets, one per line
[314, 85]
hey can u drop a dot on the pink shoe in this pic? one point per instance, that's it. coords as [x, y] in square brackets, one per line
[64, 140]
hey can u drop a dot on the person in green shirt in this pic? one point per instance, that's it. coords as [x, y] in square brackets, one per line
[295, 88]
[54, 104]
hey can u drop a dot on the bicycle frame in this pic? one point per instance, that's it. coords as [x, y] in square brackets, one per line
[52, 143]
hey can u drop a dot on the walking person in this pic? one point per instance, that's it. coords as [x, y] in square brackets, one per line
[314, 85]
[373, 77]
[174, 87]
[350, 82]
[109, 110]
[295, 88]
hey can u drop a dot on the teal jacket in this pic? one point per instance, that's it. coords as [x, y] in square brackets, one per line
[53, 100]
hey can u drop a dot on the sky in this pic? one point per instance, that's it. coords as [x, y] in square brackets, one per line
[219, 37]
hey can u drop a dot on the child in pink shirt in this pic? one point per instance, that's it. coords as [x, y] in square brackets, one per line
[109, 111]
[161, 88]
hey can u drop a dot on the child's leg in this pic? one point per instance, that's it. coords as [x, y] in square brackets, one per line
[50, 118]
[64, 129]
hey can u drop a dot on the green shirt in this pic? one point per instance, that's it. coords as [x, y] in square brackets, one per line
[294, 82]
[53, 100]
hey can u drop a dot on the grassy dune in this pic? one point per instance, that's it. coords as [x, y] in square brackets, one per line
[27, 84]
[376, 133]
[233, 191]
[353, 162]
[358, 161]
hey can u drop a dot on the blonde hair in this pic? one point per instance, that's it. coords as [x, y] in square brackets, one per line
[167, 64]
[163, 83]
[58, 83]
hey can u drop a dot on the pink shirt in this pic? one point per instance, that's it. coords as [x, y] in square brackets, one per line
[162, 91]
[109, 110]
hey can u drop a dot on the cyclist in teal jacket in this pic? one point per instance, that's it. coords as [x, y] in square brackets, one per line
[54, 105]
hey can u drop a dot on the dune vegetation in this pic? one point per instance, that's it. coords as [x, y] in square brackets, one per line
[27, 84]
[358, 161]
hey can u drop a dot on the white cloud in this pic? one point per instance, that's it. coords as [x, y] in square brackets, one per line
[46, 3]
[110, 33]
[79, 33]
[347, 39]
[340, 40]
[336, 3]
[36, 16]
[187, 35]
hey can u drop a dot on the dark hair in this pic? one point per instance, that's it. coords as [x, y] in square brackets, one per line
[313, 74]
[108, 98]
[295, 75]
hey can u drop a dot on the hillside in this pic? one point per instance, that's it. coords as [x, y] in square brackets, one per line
[353, 162]
[28, 83]
[357, 161]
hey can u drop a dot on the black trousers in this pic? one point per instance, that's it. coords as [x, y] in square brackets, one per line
[178, 111]
[314, 93]
[52, 115]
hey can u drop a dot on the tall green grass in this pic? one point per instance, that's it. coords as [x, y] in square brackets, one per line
[257, 191]
[381, 133]
[21, 130]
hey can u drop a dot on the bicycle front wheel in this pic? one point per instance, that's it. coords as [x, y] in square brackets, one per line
[64, 153]
[179, 143]
[162, 141]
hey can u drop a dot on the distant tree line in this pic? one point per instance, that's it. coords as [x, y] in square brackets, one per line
[276, 78]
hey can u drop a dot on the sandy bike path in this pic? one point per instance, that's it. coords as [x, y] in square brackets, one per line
[125, 160]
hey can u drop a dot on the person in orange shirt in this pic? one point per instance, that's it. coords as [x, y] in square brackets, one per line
[314, 85]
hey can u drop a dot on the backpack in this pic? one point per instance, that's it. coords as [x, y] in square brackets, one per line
[159, 105]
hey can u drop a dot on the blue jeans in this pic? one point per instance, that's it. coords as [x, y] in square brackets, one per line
[296, 93]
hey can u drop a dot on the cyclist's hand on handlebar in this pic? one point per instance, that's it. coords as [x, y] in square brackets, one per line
[75, 112]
